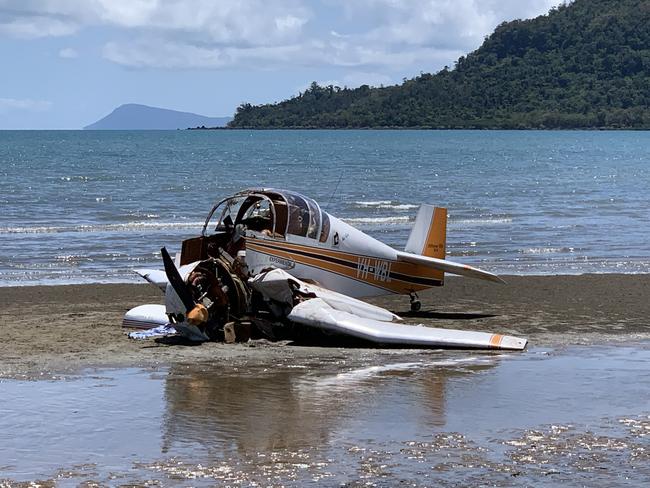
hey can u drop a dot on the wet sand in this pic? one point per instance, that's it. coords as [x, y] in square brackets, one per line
[49, 330]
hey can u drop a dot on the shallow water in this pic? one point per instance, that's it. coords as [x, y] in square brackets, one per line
[89, 206]
[543, 417]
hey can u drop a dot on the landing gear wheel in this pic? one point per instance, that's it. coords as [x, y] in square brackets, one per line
[416, 305]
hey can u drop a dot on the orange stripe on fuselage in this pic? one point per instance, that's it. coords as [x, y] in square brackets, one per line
[393, 276]
[343, 270]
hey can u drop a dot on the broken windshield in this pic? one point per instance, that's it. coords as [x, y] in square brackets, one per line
[266, 211]
[304, 216]
[224, 214]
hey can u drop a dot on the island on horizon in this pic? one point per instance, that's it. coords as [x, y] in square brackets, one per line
[133, 116]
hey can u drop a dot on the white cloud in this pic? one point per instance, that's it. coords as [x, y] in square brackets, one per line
[35, 27]
[125, 13]
[68, 53]
[255, 22]
[27, 104]
[289, 23]
[451, 24]
[378, 36]
[159, 53]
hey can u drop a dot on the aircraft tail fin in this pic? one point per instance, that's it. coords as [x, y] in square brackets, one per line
[429, 234]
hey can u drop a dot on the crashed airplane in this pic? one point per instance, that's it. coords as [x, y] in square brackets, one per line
[271, 263]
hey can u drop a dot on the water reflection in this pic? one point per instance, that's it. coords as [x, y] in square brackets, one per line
[359, 417]
[297, 406]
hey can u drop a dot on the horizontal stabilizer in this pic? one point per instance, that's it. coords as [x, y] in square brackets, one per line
[448, 266]
[317, 313]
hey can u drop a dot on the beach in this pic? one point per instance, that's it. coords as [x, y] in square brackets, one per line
[571, 409]
[50, 330]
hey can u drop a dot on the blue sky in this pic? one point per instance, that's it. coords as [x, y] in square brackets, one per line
[67, 63]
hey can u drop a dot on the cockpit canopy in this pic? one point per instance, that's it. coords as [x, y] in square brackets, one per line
[275, 213]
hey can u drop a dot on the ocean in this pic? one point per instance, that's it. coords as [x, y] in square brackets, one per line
[90, 206]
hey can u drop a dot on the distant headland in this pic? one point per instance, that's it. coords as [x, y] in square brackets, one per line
[585, 65]
[133, 116]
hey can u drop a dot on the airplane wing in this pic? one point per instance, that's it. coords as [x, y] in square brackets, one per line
[156, 277]
[334, 312]
[318, 313]
[448, 266]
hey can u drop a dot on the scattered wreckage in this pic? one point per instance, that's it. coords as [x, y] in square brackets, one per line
[272, 264]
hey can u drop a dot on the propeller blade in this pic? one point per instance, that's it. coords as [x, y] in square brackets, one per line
[176, 281]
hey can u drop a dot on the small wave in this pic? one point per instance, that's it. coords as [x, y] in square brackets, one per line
[81, 178]
[386, 204]
[479, 222]
[547, 250]
[399, 206]
[373, 203]
[142, 215]
[73, 258]
[126, 227]
[378, 220]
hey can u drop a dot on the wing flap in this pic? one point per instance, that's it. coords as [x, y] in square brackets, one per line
[317, 313]
[448, 267]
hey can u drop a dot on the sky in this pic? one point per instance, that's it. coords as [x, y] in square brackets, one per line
[67, 63]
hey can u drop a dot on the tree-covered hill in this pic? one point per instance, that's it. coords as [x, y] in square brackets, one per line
[584, 65]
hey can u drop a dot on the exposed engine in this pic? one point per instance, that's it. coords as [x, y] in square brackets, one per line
[219, 293]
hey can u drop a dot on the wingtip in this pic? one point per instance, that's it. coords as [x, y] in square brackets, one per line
[513, 343]
[493, 278]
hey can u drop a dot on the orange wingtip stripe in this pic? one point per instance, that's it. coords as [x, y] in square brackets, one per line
[495, 340]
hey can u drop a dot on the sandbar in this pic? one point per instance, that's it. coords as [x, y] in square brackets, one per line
[49, 330]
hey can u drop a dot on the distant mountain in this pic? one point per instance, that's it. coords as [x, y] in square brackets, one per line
[584, 65]
[133, 116]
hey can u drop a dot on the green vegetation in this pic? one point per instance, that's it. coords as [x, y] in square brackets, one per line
[584, 65]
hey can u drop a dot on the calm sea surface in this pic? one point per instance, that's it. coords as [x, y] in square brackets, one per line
[85, 206]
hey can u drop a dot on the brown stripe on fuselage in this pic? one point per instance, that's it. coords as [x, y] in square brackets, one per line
[413, 273]
[395, 277]
[341, 270]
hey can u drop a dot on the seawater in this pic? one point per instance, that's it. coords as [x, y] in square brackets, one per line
[89, 206]
[566, 417]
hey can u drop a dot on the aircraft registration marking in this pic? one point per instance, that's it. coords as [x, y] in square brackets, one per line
[378, 269]
[282, 263]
